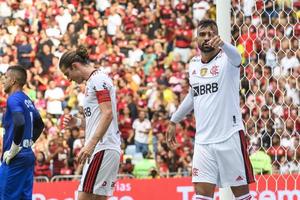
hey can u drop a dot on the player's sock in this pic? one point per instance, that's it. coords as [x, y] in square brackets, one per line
[244, 197]
[201, 197]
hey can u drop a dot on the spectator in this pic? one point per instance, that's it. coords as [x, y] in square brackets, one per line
[132, 107]
[25, 52]
[289, 61]
[261, 161]
[127, 167]
[59, 152]
[135, 43]
[149, 60]
[125, 126]
[43, 40]
[5, 39]
[114, 21]
[45, 57]
[141, 127]
[4, 63]
[142, 168]
[42, 168]
[183, 39]
[55, 97]
[199, 10]
[63, 19]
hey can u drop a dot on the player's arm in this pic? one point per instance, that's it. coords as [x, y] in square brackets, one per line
[18, 119]
[104, 122]
[19, 126]
[184, 108]
[231, 52]
[38, 127]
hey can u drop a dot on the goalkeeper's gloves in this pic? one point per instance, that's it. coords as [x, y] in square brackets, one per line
[13, 151]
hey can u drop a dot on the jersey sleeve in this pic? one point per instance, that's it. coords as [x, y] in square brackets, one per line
[102, 85]
[233, 55]
[186, 106]
[14, 104]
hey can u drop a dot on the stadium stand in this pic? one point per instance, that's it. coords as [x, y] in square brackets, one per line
[141, 45]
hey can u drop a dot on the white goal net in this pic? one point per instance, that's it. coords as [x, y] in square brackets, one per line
[266, 32]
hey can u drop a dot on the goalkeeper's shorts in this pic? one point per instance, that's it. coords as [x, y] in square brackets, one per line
[16, 179]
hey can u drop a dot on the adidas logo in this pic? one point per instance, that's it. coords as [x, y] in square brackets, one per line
[239, 178]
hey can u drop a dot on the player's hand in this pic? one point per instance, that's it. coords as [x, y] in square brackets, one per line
[216, 42]
[171, 136]
[9, 155]
[69, 121]
[86, 153]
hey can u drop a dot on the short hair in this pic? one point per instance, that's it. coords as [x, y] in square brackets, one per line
[19, 73]
[69, 57]
[207, 23]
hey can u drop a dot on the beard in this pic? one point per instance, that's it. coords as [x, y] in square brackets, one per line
[206, 48]
[7, 89]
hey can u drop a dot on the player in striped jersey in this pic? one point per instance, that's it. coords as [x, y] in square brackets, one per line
[101, 152]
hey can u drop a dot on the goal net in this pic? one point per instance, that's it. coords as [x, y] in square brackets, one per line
[266, 32]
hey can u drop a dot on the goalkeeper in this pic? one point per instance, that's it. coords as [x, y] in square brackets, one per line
[23, 125]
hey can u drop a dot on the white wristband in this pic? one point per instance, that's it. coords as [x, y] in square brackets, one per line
[78, 122]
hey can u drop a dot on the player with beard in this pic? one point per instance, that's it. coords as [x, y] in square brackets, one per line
[220, 151]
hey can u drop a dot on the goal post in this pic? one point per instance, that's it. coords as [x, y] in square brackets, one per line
[266, 34]
[224, 19]
[224, 28]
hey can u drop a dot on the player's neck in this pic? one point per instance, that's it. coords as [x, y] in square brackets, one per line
[88, 73]
[14, 89]
[207, 57]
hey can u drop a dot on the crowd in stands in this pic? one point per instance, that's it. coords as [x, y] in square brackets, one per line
[145, 46]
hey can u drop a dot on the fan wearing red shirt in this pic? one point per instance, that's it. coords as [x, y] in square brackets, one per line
[183, 39]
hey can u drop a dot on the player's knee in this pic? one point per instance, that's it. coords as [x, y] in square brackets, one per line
[240, 191]
[205, 189]
[244, 197]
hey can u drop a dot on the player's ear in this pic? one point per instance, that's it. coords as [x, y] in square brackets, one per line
[75, 65]
[13, 80]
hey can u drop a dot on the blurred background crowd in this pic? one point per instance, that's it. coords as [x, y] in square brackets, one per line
[145, 46]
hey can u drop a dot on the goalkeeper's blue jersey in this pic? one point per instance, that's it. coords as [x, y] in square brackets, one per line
[19, 102]
[16, 180]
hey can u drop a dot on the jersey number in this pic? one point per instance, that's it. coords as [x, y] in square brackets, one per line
[87, 112]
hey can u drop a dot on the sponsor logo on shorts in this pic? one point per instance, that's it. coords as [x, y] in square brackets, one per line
[113, 184]
[239, 178]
